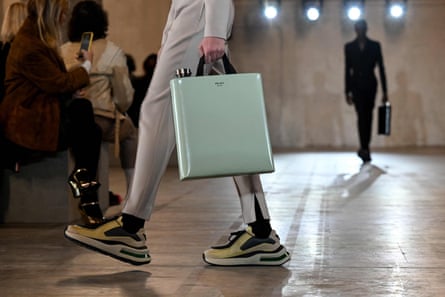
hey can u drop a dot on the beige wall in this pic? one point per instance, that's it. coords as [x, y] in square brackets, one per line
[136, 25]
[6, 3]
[3, 5]
[302, 66]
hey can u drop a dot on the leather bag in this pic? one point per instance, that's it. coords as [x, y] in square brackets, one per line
[220, 124]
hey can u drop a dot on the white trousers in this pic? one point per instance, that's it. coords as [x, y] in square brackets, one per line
[156, 129]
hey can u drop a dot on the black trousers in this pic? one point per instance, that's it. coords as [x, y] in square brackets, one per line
[364, 107]
[81, 134]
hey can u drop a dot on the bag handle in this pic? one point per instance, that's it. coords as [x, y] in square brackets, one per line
[228, 67]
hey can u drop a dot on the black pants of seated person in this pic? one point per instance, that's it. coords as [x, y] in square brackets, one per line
[83, 137]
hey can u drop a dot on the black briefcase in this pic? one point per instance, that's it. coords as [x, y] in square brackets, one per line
[384, 127]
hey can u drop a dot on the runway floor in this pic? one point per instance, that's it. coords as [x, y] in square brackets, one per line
[376, 230]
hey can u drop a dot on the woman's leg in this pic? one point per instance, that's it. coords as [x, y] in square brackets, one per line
[128, 148]
[84, 140]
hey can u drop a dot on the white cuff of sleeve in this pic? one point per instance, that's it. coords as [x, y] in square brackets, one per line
[87, 65]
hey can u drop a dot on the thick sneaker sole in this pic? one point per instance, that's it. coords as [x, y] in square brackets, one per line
[117, 251]
[275, 258]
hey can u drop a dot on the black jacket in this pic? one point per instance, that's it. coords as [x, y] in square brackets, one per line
[360, 65]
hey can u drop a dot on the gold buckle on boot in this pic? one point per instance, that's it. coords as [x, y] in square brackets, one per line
[80, 182]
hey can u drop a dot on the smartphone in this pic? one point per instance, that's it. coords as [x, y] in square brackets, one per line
[86, 40]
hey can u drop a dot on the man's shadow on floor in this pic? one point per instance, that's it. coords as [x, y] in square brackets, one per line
[350, 186]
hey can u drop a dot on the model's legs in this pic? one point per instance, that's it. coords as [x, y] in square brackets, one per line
[258, 244]
[364, 123]
[156, 131]
[364, 106]
[253, 204]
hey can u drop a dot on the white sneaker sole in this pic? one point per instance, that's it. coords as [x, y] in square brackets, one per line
[277, 258]
[118, 251]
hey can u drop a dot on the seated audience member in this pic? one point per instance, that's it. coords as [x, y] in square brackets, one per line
[40, 110]
[110, 90]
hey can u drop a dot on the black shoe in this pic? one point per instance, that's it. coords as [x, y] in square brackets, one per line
[80, 182]
[85, 188]
[91, 214]
[365, 155]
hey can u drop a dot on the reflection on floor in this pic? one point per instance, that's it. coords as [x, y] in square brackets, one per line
[352, 230]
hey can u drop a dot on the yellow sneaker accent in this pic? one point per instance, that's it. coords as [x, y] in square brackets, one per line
[244, 248]
[111, 239]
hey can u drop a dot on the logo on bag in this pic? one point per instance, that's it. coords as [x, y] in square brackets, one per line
[219, 83]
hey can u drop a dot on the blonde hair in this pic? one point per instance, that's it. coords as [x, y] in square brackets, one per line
[48, 14]
[14, 17]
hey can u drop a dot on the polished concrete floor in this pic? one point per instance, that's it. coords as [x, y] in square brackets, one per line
[377, 230]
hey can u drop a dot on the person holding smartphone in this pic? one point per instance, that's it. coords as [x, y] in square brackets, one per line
[194, 28]
[110, 90]
[41, 112]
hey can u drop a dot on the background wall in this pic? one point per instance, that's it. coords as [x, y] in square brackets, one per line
[303, 67]
[137, 26]
[303, 71]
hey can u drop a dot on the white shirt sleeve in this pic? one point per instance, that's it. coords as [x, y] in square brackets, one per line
[219, 18]
[86, 65]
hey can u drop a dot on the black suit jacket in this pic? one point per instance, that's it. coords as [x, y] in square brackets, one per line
[360, 78]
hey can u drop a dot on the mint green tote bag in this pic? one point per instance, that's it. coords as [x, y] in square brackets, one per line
[220, 124]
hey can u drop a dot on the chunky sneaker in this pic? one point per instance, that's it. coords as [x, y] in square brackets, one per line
[244, 248]
[112, 240]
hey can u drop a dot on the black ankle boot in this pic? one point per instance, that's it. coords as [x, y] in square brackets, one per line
[80, 181]
[91, 213]
[85, 188]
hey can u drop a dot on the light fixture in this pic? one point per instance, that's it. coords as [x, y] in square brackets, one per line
[354, 9]
[396, 9]
[271, 8]
[312, 9]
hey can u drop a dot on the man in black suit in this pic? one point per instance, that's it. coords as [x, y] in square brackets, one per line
[362, 55]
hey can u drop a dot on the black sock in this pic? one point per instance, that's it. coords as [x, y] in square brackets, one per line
[261, 227]
[132, 224]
